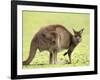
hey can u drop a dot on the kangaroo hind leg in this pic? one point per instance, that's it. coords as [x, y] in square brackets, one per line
[51, 58]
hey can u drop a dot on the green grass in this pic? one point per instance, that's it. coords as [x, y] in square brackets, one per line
[33, 21]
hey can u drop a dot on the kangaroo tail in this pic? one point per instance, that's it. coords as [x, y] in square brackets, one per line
[32, 52]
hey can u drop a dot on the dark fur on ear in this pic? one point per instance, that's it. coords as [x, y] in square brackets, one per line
[74, 30]
[81, 31]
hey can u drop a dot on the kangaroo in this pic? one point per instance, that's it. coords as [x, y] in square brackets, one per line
[54, 38]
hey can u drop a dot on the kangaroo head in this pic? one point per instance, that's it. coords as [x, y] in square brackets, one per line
[77, 36]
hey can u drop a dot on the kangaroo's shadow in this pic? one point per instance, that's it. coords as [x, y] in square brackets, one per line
[37, 64]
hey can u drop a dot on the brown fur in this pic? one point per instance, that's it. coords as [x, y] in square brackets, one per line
[53, 38]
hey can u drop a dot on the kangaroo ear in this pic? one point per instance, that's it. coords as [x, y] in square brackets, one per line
[81, 31]
[74, 31]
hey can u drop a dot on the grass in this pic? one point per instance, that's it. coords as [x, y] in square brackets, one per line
[33, 21]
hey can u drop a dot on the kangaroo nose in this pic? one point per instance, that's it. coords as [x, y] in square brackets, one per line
[78, 39]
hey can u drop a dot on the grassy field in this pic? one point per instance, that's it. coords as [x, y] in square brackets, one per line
[33, 21]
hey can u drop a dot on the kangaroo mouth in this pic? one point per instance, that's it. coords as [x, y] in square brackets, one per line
[78, 40]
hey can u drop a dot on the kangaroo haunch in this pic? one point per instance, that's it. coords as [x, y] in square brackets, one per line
[54, 38]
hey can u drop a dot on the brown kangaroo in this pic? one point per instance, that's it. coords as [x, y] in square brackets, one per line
[54, 38]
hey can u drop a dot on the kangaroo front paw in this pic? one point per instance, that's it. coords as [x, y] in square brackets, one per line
[64, 54]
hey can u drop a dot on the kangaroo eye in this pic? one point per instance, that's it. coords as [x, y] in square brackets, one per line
[75, 35]
[79, 36]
